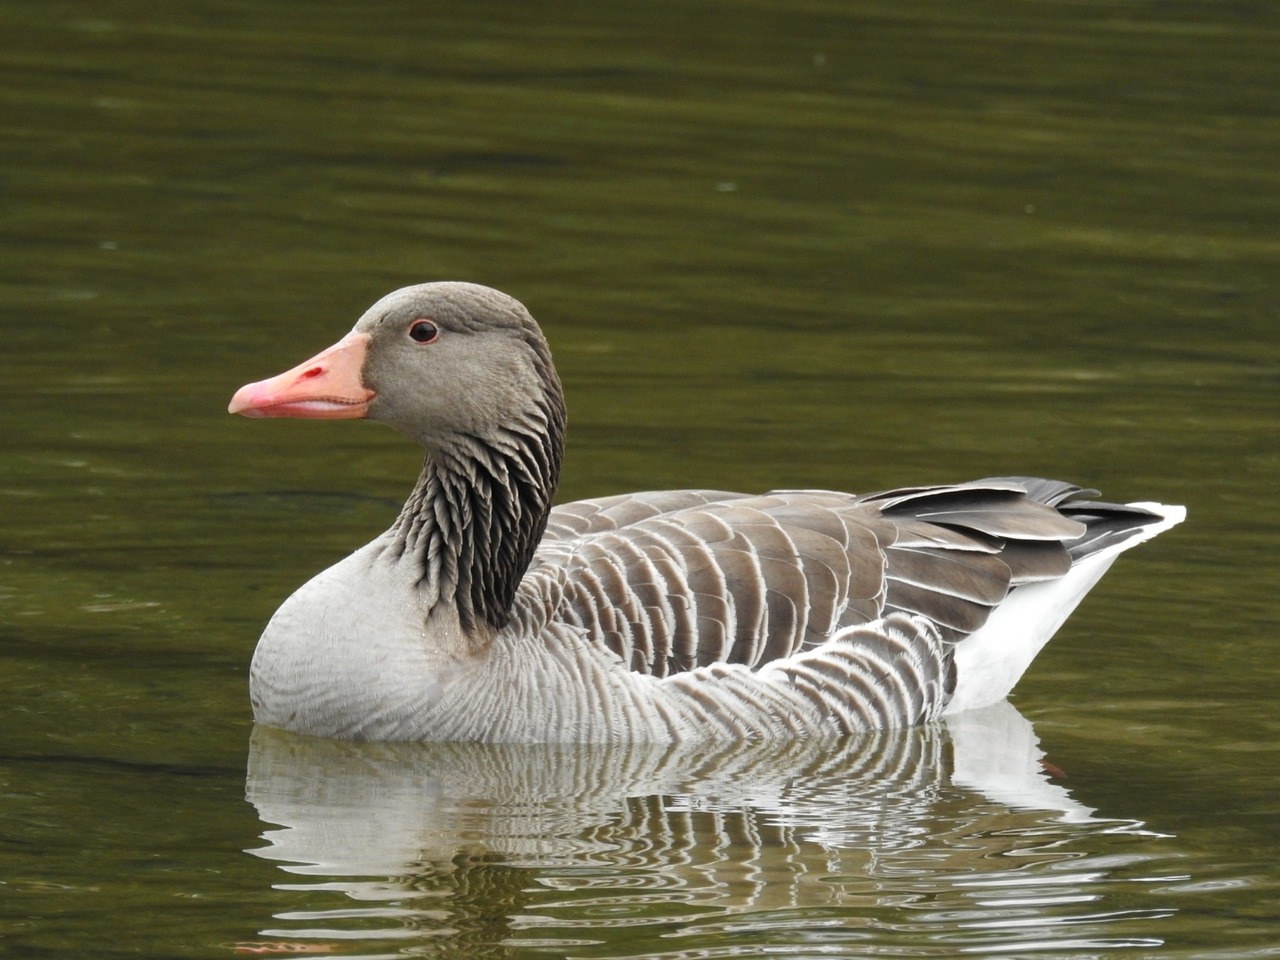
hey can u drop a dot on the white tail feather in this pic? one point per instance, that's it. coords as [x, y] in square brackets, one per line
[992, 659]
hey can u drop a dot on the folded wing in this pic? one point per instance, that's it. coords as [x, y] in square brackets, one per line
[678, 580]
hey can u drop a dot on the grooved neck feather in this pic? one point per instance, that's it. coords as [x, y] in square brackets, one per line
[478, 511]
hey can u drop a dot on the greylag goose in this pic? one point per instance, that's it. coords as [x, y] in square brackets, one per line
[486, 614]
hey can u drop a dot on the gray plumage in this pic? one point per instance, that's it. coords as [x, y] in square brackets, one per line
[485, 614]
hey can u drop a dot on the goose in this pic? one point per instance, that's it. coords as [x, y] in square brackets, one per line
[485, 613]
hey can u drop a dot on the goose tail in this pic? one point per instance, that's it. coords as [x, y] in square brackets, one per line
[990, 661]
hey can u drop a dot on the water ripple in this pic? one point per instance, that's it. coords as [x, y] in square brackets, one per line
[914, 843]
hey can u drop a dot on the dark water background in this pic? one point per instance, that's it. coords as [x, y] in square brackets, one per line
[773, 244]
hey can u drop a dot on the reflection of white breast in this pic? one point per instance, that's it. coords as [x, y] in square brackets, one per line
[680, 834]
[359, 808]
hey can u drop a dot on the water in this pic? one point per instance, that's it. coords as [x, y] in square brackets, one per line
[865, 845]
[772, 245]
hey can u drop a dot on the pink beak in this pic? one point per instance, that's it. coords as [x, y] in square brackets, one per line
[329, 386]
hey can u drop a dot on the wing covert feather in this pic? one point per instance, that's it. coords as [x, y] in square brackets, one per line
[674, 581]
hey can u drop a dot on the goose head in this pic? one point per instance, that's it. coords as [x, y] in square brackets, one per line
[448, 364]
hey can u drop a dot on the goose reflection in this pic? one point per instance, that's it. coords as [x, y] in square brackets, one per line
[952, 836]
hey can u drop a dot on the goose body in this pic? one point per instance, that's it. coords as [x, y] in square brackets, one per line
[486, 614]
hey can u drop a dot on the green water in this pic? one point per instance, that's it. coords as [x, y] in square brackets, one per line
[773, 245]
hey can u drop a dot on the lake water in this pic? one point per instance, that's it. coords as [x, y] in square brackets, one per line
[773, 245]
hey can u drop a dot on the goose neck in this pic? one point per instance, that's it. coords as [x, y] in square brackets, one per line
[472, 524]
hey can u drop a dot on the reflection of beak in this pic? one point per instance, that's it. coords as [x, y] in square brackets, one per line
[329, 386]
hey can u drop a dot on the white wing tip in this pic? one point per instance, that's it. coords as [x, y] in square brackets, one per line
[1170, 516]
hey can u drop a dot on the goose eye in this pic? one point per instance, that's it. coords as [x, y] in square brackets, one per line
[423, 331]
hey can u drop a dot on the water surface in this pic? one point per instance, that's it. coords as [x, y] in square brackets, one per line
[773, 245]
